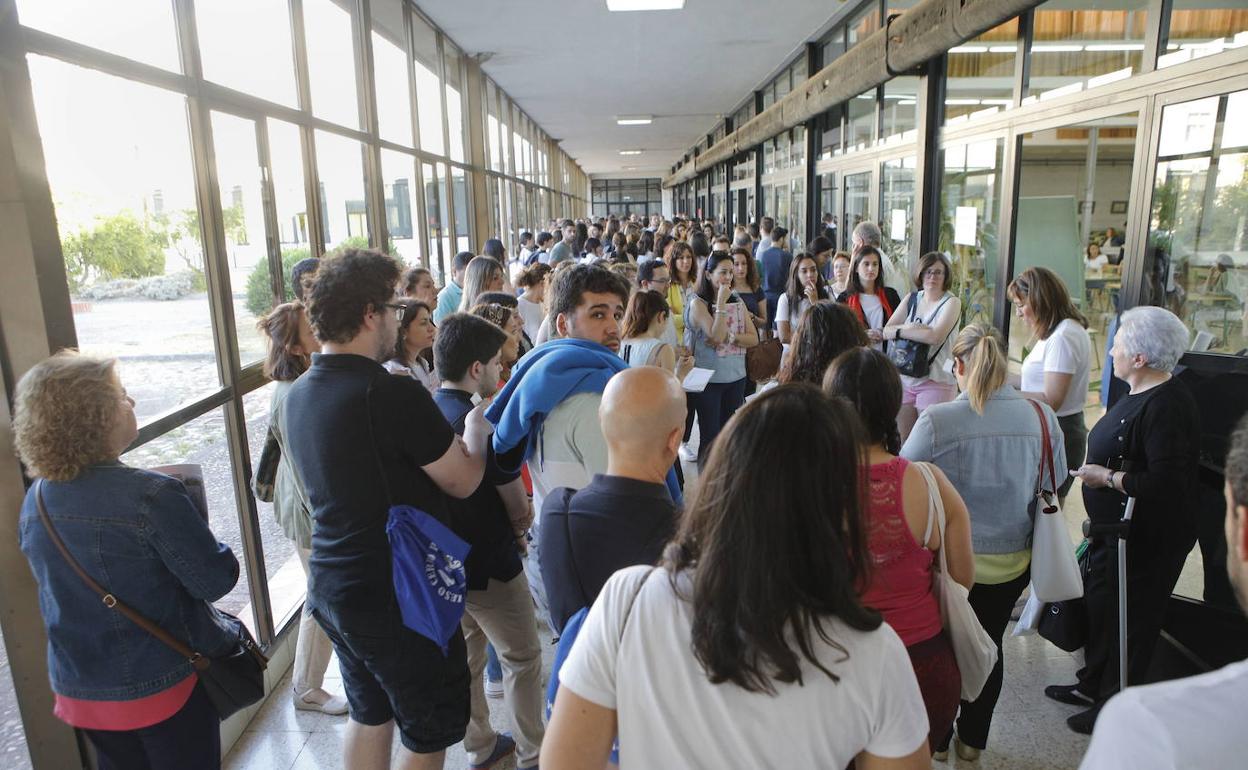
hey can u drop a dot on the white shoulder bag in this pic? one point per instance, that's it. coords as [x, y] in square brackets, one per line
[1054, 569]
[974, 649]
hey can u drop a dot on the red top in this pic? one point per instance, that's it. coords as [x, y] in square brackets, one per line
[901, 575]
[124, 714]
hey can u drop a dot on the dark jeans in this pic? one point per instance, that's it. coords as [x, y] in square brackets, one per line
[715, 406]
[188, 740]
[1075, 439]
[992, 605]
[689, 415]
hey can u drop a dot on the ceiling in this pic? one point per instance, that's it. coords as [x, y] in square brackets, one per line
[573, 66]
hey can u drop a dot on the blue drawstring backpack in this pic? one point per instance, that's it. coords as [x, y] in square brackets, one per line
[430, 582]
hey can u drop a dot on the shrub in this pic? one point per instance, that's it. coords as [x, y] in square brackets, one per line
[118, 246]
[259, 289]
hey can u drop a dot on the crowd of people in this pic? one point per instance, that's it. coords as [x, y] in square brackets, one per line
[535, 407]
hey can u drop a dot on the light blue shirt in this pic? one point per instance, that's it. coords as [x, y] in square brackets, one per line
[993, 460]
[448, 301]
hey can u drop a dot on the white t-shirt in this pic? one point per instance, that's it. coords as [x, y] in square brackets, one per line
[670, 715]
[533, 315]
[1067, 351]
[1192, 722]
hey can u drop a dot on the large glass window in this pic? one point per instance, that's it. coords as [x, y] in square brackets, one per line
[289, 193]
[255, 57]
[862, 25]
[433, 217]
[202, 441]
[897, 201]
[857, 199]
[1197, 262]
[398, 174]
[394, 101]
[124, 192]
[1077, 44]
[1199, 27]
[1074, 196]
[860, 121]
[454, 102]
[459, 196]
[979, 74]
[428, 86]
[344, 211]
[970, 215]
[900, 111]
[331, 61]
[142, 30]
[242, 211]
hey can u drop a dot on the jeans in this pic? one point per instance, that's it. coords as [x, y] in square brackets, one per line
[493, 669]
[188, 740]
[715, 406]
[992, 605]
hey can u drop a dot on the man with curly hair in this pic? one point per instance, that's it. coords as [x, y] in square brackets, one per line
[361, 441]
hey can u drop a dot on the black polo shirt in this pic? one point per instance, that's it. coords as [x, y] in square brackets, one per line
[481, 519]
[358, 438]
[587, 535]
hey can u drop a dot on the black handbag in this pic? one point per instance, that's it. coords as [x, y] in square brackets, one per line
[1065, 623]
[232, 681]
[912, 358]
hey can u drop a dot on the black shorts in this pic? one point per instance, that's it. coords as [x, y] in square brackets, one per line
[391, 672]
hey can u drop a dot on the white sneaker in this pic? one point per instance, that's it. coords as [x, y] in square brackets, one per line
[493, 689]
[334, 705]
[688, 454]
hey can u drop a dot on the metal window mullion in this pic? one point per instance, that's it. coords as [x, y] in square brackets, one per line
[1022, 59]
[1156, 33]
[448, 221]
[1011, 173]
[212, 231]
[268, 204]
[1143, 175]
[307, 143]
[374, 184]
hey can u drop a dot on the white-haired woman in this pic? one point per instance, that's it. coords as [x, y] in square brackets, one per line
[1144, 447]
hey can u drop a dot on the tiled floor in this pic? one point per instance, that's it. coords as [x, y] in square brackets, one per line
[1028, 732]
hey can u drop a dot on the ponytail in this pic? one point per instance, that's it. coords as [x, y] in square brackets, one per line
[979, 349]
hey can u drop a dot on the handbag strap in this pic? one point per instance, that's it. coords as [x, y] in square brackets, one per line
[200, 662]
[1046, 450]
[935, 510]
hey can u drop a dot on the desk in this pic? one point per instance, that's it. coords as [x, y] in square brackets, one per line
[1221, 300]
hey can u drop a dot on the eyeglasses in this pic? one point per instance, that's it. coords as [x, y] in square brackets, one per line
[934, 272]
[399, 310]
[660, 280]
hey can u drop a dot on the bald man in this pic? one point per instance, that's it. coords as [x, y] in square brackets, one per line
[625, 516]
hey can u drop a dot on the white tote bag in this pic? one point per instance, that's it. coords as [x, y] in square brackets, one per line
[972, 646]
[1054, 569]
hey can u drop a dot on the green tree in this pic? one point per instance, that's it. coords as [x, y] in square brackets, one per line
[259, 292]
[118, 246]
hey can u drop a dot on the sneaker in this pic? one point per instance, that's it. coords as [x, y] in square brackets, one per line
[504, 746]
[1068, 694]
[334, 705]
[493, 689]
[940, 756]
[688, 454]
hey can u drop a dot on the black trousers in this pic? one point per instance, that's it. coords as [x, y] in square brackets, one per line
[992, 605]
[188, 740]
[1152, 571]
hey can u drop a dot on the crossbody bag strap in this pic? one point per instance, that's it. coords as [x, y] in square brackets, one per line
[931, 318]
[937, 505]
[112, 602]
[1046, 450]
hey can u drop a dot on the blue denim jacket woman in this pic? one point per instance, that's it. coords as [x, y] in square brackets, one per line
[139, 535]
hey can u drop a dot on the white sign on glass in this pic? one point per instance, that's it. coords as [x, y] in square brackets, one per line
[964, 222]
[897, 231]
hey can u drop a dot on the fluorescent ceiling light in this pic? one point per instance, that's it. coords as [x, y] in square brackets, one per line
[636, 120]
[1116, 47]
[630, 152]
[1056, 48]
[1002, 102]
[1003, 49]
[969, 49]
[961, 102]
[645, 5]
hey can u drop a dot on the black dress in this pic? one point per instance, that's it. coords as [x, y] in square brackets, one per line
[1152, 437]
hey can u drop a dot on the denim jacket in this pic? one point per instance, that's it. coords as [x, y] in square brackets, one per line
[140, 536]
[993, 460]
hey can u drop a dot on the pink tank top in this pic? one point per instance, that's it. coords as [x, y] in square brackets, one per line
[900, 586]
